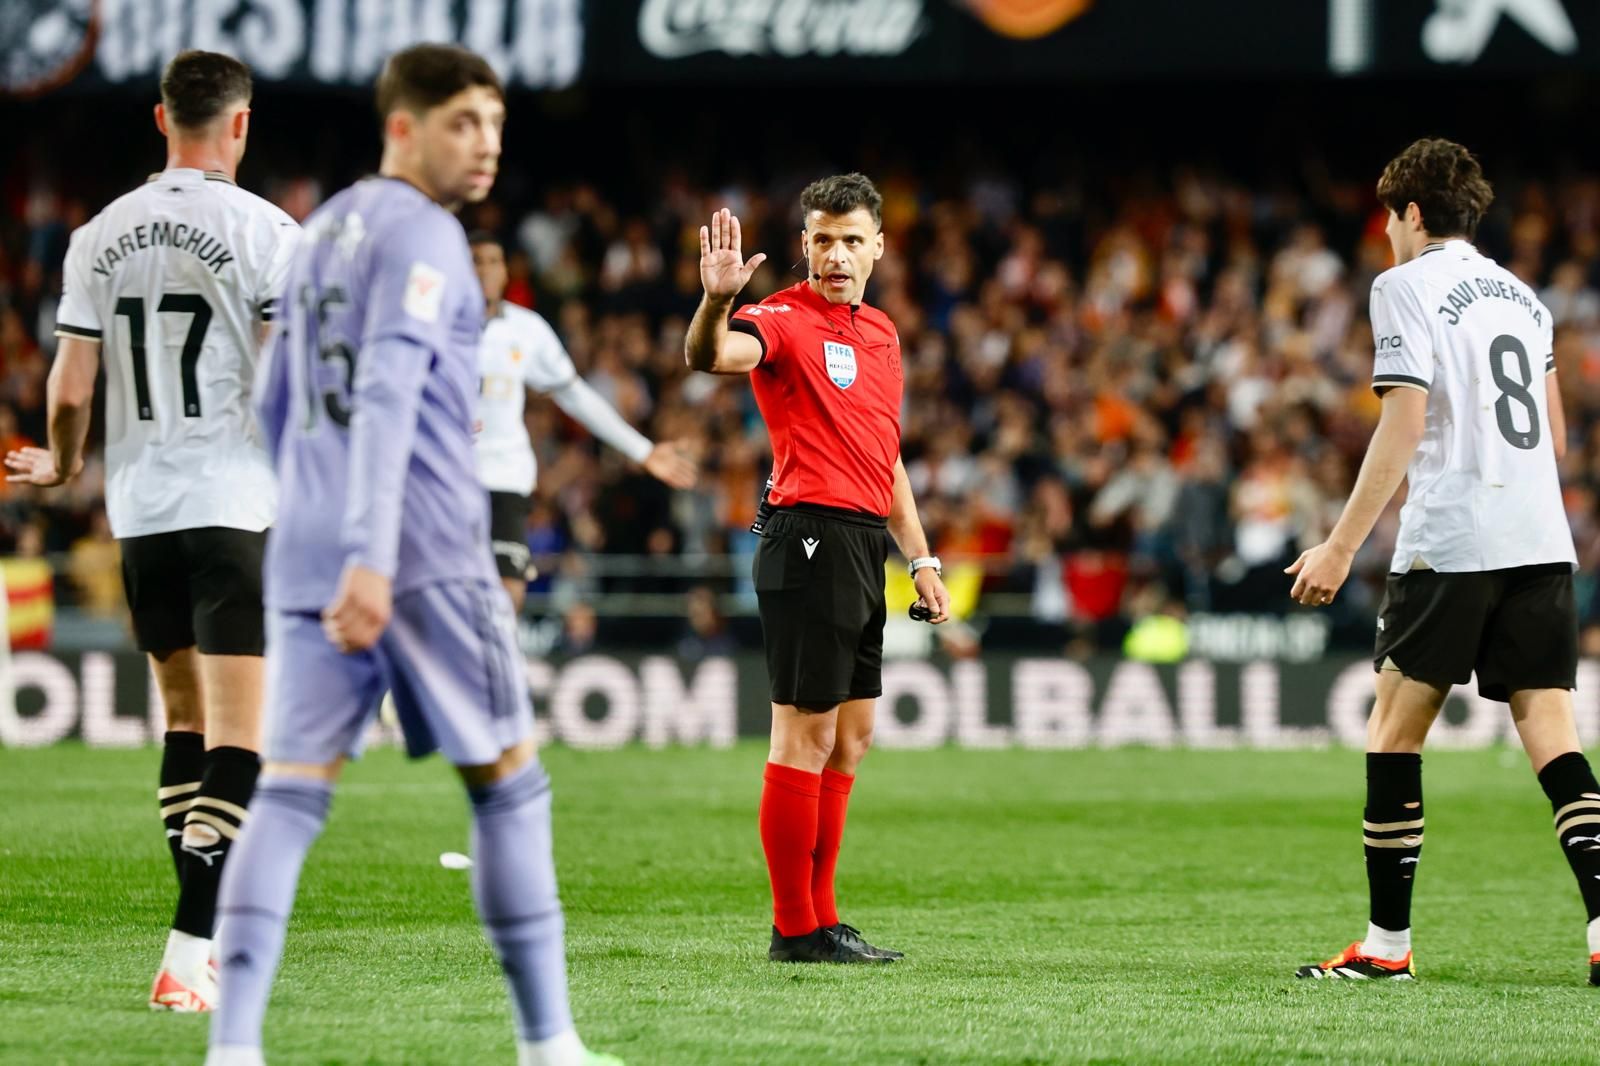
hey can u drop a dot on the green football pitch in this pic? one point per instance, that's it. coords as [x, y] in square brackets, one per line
[1086, 906]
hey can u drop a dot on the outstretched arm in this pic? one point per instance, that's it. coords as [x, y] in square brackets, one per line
[723, 271]
[714, 348]
[590, 410]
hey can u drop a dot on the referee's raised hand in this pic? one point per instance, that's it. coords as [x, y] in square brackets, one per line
[723, 270]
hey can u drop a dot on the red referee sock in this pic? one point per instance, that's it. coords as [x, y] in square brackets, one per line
[788, 833]
[830, 834]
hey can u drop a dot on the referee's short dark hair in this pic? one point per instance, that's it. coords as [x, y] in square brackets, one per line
[842, 194]
[424, 76]
[1446, 183]
[198, 86]
[483, 236]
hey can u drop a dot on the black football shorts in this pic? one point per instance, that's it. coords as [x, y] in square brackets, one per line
[1516, 629]
[196, 588]
[820, 589]
[508, 530]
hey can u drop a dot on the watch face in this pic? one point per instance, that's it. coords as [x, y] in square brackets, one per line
[44, 43]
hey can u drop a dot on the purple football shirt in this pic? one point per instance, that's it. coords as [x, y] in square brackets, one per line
[367, 398]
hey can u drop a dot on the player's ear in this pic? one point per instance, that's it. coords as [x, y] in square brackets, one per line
[241, 123]
[161, 119]
[877, 245]
[399, 124]
[1414, 216]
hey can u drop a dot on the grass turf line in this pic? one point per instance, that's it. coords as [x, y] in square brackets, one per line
[1057, 907]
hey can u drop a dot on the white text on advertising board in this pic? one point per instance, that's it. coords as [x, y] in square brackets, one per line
[673, 29]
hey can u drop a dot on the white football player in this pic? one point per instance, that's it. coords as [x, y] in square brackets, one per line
[519, 352]
[1481, 579]
[173, 284]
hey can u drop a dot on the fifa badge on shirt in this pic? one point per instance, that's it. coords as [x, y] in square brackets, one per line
[841, 360]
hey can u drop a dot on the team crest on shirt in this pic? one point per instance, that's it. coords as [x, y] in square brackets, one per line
[424, 292]
[841, 361]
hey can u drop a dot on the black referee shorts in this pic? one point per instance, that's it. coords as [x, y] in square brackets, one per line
[196, 587]
[819, 586]
[1517, 629]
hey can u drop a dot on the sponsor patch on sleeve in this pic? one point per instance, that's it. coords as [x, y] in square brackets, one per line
[424, 292]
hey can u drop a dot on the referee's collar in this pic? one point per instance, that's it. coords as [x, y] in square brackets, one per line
[822, 303]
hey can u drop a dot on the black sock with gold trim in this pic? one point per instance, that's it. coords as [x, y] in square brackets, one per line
[209, 831]
[1392, 833]
[1575, 798]
[183, 761]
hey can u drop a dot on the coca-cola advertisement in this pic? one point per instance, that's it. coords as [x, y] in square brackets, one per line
[1074, 40]
[793, 29]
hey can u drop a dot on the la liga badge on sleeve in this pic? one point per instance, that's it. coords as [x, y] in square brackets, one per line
[841, 360]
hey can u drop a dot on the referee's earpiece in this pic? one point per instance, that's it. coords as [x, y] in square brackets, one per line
[800, 268]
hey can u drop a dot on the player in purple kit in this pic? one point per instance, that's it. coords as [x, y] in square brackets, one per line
[379, 572]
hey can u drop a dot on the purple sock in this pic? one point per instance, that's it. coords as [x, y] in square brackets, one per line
[514, 883]
[258, 887]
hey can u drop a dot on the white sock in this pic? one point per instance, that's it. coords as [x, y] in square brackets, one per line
[186, 956]
[234, 1055]
[1386, 944]
[1594, 937]
[563, 1049]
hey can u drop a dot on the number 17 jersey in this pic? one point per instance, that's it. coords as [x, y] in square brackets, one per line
[1484, 492]
[174, 279]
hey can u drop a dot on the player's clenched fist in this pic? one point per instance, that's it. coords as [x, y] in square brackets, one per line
[723, 270]
[360, 610]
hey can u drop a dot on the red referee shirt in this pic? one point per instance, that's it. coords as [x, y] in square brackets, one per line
[829, 388]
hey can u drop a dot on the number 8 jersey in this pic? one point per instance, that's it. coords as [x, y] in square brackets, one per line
[173, 279]
[1484, 492]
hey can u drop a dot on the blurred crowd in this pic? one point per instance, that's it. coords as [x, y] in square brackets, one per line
[1123, 397]
[1117, 402]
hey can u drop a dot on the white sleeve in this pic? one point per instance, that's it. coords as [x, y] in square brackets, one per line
[1401, 337]
[269, 294]
[548, 366]
[587, 407]
[76, 314]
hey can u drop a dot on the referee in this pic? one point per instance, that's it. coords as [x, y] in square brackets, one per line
[826, 373]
